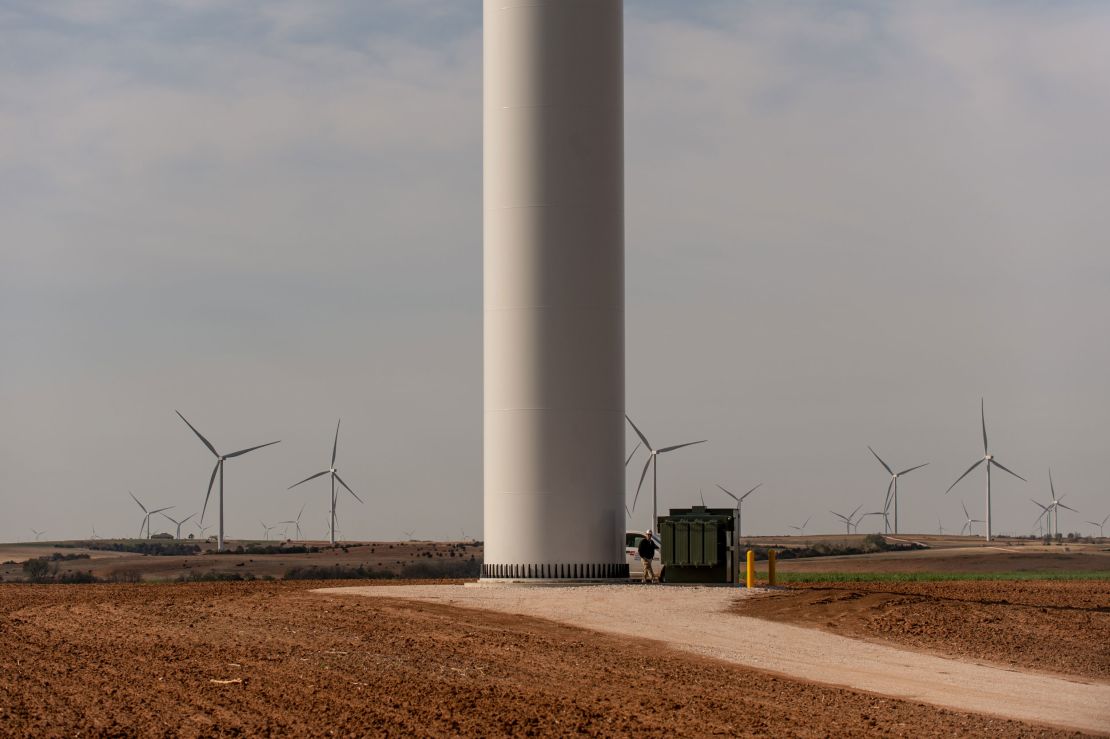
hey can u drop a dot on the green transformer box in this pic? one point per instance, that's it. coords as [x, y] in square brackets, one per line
[698, 545]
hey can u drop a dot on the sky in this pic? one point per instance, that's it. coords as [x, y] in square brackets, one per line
[845, 224]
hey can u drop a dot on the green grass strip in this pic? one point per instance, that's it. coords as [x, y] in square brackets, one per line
[809, 577]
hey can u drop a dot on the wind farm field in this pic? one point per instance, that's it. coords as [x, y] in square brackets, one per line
[254, 658]
[260, 559]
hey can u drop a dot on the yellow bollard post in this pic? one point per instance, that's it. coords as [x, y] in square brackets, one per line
[770, 568]
[751, 569]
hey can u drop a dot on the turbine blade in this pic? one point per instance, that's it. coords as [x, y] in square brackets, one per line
[1042, 507]
[211, 482]
[983, 414]
[633, 454]
[642, 476]
[159, 510]
[889, 494]
[335, 445]
[638, 432]
[996, 464]
[199, 435]
[1050, 485]
[1068, 507]
[310, 477]
[729, 494]
[679, 446]
[137, 501]
[964, 506]
[241, 452]
[352, 492]
[969, 469]
[853, 513]
[745, 495]
[884, 464]
[911, 469]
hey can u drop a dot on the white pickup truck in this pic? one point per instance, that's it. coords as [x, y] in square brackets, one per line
[632, 556]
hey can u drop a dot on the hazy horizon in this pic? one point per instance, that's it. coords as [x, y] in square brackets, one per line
[844, 225]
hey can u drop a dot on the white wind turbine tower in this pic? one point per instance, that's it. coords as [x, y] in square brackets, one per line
[990, 460]
[147, 515]
[178, 523]
[1100, 525]
[892, 490]
[334, 478]
[968, 524]
[653, 462]
[739, 503]
[220, 458]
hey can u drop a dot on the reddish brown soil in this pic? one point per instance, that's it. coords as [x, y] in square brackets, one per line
[143, 660]
[1054, 626]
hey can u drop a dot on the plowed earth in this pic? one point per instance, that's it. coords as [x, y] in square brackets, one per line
[1053, 626]
[253, 659]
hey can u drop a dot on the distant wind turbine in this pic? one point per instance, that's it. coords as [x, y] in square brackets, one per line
[940, 526]
[408, 534]
[801, 529]
[266, 530]
[739, 503]
[969, 523]
[653, 462]
[220, 459]
[147, 515]
[179, 523]
[1046, 510]
[94, 536]
[334, 473]
[38, 534]
[990, 460]
[892, 490]
[1100, 525]
[1052, 510]
[848, 520]
[295, 522]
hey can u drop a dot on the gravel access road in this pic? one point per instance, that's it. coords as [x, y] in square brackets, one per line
[697, 619]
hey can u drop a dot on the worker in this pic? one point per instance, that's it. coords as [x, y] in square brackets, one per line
[646, 550]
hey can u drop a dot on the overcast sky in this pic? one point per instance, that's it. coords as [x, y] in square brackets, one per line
[845, 223]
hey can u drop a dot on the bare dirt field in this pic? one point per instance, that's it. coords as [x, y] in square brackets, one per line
[1056, 626]
[262, 658]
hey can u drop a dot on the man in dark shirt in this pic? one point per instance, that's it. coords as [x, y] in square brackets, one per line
[646, 550]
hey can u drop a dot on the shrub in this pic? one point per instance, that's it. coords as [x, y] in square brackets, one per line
[38, 569]
[336, 572]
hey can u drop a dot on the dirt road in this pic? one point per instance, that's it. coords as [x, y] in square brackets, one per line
[697, 619]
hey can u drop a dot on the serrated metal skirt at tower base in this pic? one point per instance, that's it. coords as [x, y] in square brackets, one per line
[553, 243]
